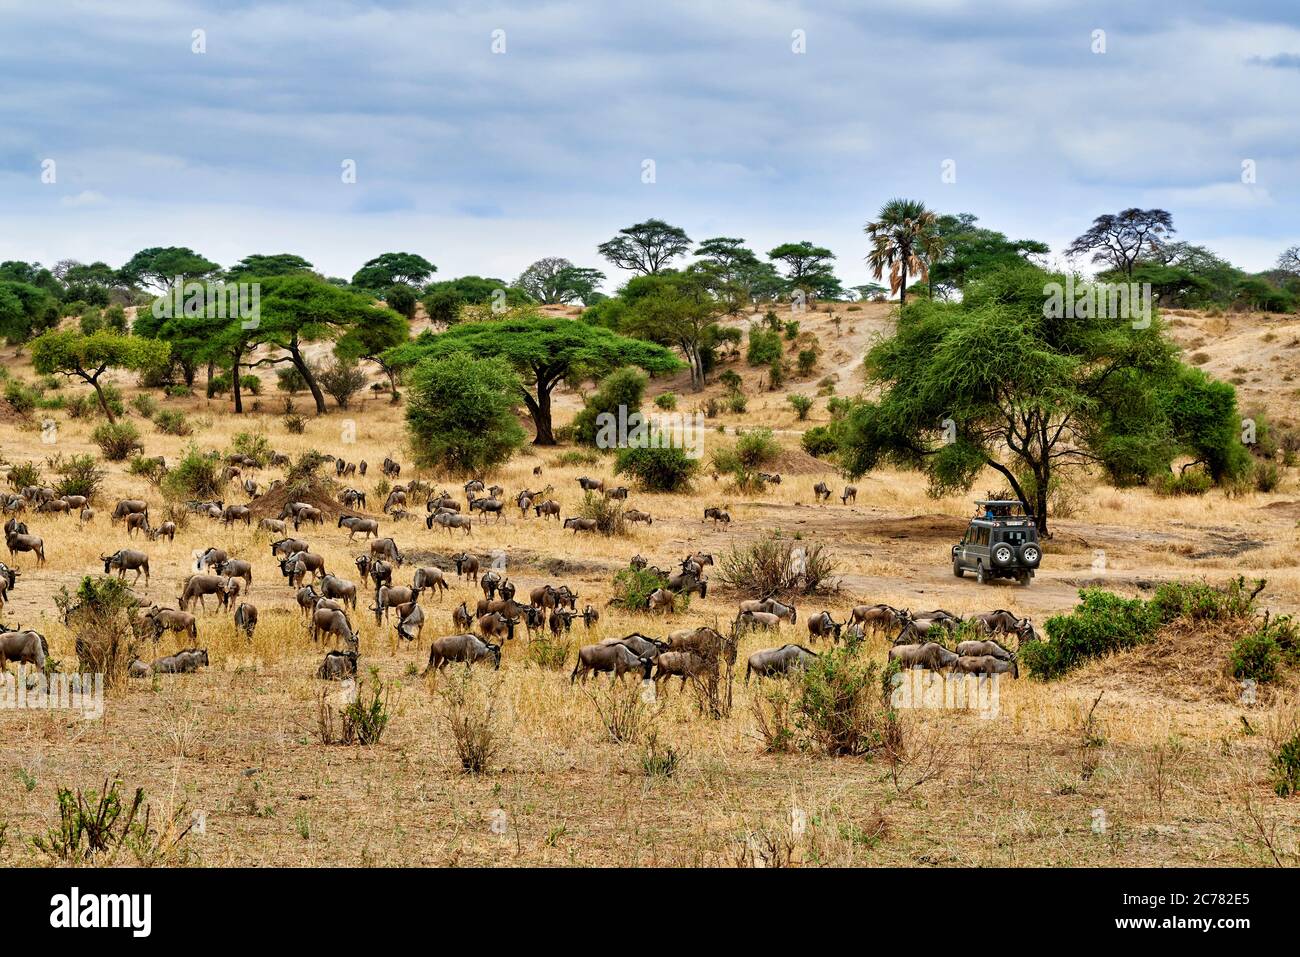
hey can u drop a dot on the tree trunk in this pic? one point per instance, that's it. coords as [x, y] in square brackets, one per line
[540, 409]
[234, 383]
[103, 403]
[305, 371]
[1038, 510]
[902, 289]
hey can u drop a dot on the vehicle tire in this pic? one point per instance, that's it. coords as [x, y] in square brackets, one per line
[1002, 555]
[957, 569]
[1031, 555]
[979, 573]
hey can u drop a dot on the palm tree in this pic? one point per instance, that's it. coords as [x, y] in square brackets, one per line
[905, 239]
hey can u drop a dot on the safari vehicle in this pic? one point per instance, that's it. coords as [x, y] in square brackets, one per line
[1001, 542]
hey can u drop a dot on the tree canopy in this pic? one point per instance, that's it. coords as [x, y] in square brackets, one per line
[904, 240]
[388, 269]
[993, 381]
[25, 310]
[808, 269]
[970, 250]
[1120, 240]
[543, 350]
[88, 357]
[159, 266]
[646, 248]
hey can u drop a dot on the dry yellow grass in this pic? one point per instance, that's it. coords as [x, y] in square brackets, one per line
[1181, 781]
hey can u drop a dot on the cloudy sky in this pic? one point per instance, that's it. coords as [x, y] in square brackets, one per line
[484, 161]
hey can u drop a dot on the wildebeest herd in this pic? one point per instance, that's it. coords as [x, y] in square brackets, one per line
[326, 598]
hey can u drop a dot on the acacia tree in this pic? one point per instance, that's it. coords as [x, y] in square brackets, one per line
[301, 308]
[1289, 260]
[905, 240]
[371, 340]
[88, 357]
[646, 248]
[675, 309]
[1120, 240]
[991, 381]
[808, 268]
[388, 269]
[160, 266]
[275, 264]
[543, 350]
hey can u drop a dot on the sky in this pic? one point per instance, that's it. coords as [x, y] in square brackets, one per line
[486, 135]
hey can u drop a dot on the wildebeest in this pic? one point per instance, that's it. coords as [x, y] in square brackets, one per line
[1003, 622]
[703, 640]
[819, 626]
[778, 661]
[464, 647]
[387, 549]
[876, 616]
[850, 492]
[561, 620]
[337, 666]
[388, 596]
[980, 649]
[682, 664]
[21, 542]
[236, 513]
[548, 509]
[684, 583]
[246, 619]
[919, 627]
[930, 655]
[396, 497]
[340, 589]
[986, 665]
[127, 560]
[752, 620]
[636, 515]
[773, 477]
[23, 646]
[331, 621]
[640, 644]
[210, 559]
[354, 523]
[461, 618]
[169, 619]
[450, 520]
[308, 513]
[718, 515]
[580, 524]
[495, 625]
[590, 616]
[183, 662]
[166, 530]
[591, 484]
[822, 491]
[489, 582]
[298, 566]
[410, 621]
[429, 578]
[128, 506]
[488, 506]
[353, 498]
[466, 566]
[200, 586]
[661, 600]
[615, 659]
[236, 568]
[287, 547]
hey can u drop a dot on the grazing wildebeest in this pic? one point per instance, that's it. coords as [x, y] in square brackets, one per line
[751, 620]
[20, 542]
[980, 649]
[704, 641]
[772, 477]
[396, 497]
[464, 647]
[636, 515]
[300, 564]
[236, 513]
[386, 549]
[274, 525]
[682, 664]
[337, 666]
[616, 659]
[430, 578]
[850, 492]
[561, 620]
[210, 559]
[641, 645]
[450, 520]
[288, 547]
[127, 560]
[353, 498]
[590, 616]
[591, 484]
[57, 505]
[335, 623]
[340, 589]
[548, 509]
[166, 530]
[617, 493]
[488, 506]
[291, 509]
[1003, 622]
[128, 506]
[306, 598]
[986, 665]
[200, 586]
[389, 596]
[876, 616]
[308, 513]
[919, 627]
[354, 523]
[496, 624]
[390, 468]
[778, 661]
[181, 663]
[444, 502]
[931, 655]
[87, 515]
[819, 626]
[23, 646]
[489, 582]
[684, 583]
[718, 515]
[236, 568]
[169, 619]
[246, 619]
[661, 600]
[822, 491]
[580, 524]
[461, 618]
[410, 621]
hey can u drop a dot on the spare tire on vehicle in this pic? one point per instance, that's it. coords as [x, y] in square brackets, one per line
[1030, 554]
[1002, 554]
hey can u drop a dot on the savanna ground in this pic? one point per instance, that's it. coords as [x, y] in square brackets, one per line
[1177, 763]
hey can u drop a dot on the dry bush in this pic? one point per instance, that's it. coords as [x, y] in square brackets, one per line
[772, 708]
[776, 565]
[623, 711]
[101, 615]
[608, 513]
[472, 711]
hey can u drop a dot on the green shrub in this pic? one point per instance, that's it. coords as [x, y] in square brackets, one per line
[178, 391]
[1256, 656]
[737, 403]
[194, 476]
[251, 384]
[764, 347]
[78, 475]
[295, 423]
[840, 706]
[775, 375]
[622, 388]
[802, 405]
[632, 587]
[792, 330]
[172, 422]
[24, 474]
[1285, 767]
[572, 457]
[808, 362]
[461, 413]
[255, 445]
[116, 440]
[1191, 482]
[608, 513]
[667, 401]
[1102, 623]
[145, 404]
[1198, 601]
[21, 396]
[819, 441]
[366, 718]
[667, 469]
[289, 379]
[1267, 476]
[341, 380]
